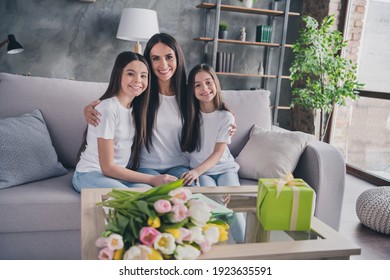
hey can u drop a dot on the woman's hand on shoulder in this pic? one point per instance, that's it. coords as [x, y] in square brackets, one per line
[233, 129]
[159, 180]
[91, 115]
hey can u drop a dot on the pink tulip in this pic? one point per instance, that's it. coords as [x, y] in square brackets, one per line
[185, 234]
[148, 235]
[178, 213]
[205, 246]
[180, 196]
[106, 254]
[162, 206]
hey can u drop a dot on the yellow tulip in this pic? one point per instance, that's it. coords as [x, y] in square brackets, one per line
[174, 231]
[118, 254]
[223, 233]
[156, 223]
[155, 255]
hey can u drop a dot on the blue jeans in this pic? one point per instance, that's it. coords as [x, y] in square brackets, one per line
[95, 179]
[176, 171]
[223, 179]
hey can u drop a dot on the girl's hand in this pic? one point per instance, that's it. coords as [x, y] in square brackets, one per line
[226, 199]
[91, 115]
[233, 129]
[190, 176]
[159, 180]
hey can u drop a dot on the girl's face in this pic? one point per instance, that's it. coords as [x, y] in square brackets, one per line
[164, 62]
[134, 79]
[204, 87]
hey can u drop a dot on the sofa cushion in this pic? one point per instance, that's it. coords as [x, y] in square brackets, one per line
[50, 204]
[249, 107]
[26, 151]
[61, 102]
[271, 154]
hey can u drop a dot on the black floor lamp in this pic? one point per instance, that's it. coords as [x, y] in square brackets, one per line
[13, 45]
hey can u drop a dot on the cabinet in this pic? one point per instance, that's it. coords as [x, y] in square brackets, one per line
[272, 14]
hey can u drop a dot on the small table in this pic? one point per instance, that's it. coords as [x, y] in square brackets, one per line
[322, 242]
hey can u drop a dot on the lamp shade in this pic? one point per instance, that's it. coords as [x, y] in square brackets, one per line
[137, 24]
[13, 45]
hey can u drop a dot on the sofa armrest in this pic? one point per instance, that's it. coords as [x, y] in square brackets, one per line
[322, 166]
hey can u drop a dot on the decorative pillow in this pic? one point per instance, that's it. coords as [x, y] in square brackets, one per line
[26, 151]
[271, 154]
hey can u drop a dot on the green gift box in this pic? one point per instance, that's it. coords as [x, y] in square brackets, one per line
[285, 204]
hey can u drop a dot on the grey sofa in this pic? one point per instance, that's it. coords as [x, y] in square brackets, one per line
[41, 219]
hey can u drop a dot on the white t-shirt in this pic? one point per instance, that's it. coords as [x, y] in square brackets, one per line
[115, 123]
[165, 150]
[215, 128]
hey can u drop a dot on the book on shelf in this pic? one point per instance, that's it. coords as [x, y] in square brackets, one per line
[263, 33]
[224, 62]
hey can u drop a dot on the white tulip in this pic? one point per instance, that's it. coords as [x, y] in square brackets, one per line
[211, 234]
[186, 252]
[199, 212]
[197, 235]
[165, 243]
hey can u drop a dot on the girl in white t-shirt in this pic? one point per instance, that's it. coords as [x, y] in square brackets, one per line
[205, 137]
[108, 147]
[206, 134]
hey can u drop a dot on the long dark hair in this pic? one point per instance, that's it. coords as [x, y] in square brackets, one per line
[139, 104]
[178, 83]
[191, 134]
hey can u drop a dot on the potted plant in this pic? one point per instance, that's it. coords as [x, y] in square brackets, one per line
[223, 29]
[320, 77]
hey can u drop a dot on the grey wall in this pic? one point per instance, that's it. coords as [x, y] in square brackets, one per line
[77, 40]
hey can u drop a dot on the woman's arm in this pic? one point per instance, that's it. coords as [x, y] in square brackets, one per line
[91, 115]
[110, 169]
[193, 175]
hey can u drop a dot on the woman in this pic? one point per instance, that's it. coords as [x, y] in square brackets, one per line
[108, 147]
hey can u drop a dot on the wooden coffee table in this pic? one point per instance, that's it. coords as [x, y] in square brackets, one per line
[322, 242]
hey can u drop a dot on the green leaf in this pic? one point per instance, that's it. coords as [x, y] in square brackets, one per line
[319, 76]
[166, 226]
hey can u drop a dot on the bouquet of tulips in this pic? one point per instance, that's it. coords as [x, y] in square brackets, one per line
[161, 223]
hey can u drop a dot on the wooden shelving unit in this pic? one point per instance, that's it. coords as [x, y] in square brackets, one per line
[217, 8]
[229, 41]
[237, 9]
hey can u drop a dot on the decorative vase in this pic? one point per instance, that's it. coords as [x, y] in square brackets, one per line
[247, 3]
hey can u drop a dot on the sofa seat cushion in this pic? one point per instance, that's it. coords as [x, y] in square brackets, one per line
[50, 204]
[26, 151]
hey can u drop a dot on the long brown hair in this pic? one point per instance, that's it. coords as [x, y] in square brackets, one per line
[139, 105]
[178, 82]
[191, 134]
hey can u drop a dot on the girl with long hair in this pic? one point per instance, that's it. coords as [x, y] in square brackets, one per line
[205, 134]
[107, 148]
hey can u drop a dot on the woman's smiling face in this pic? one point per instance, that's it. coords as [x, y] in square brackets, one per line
[164, 61]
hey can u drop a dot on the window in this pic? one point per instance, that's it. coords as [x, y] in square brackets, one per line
[362, 129]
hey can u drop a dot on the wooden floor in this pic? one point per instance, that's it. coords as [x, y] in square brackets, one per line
[375, 246]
